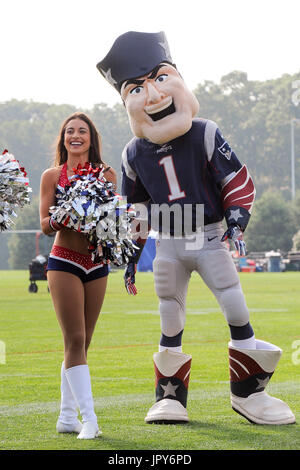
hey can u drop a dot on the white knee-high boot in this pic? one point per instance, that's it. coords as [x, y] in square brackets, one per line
[80, 383]
[68, 418]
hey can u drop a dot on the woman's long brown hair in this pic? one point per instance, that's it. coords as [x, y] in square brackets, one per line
[61, 155]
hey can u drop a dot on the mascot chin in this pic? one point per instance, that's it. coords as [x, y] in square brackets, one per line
[179, 161]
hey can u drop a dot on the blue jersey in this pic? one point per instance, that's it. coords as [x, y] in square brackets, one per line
[186, 170]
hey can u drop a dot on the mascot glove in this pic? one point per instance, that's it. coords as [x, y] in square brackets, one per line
[129, 278]
[235, 234]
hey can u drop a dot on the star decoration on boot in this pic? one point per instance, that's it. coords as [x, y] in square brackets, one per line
[262, 383]
[169, 389]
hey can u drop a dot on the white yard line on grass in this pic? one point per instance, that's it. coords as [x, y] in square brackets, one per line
[125, 401]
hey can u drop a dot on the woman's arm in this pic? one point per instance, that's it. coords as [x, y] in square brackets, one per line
[111, 176]
[47, 198]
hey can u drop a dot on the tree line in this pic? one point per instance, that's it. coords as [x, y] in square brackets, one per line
[254, 117]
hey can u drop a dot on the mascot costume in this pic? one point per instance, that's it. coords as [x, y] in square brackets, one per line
[178, 159]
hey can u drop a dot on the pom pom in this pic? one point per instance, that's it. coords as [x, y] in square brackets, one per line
[89, 205]
[14, 188]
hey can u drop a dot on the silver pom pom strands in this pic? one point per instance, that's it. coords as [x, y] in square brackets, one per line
[14, 189]
[89, 205]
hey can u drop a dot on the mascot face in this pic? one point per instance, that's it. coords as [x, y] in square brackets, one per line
[159, 105]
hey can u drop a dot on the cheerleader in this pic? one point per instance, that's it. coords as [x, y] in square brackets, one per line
[77, 284]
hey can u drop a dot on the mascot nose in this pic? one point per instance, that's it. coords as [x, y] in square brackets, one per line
[154, 95]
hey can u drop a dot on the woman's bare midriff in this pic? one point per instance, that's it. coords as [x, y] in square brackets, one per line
[72, 240]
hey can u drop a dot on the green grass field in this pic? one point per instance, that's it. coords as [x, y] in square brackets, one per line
[120, 361]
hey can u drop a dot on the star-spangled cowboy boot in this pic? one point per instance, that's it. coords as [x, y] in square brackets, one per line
[250, 372]
[172, 373]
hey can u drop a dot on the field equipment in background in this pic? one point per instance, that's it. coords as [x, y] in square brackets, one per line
[37, 271]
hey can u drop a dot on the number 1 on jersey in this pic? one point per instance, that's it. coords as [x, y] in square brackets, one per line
[175, 191]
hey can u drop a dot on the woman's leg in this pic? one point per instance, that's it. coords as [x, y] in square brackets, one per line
[79, 376]
[67, 293]
[94, 293]
[77, 331]
[68, 299]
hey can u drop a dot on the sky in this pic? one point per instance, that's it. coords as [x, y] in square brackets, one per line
[49, 48]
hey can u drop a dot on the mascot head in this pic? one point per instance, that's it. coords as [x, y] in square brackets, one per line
[159, 104]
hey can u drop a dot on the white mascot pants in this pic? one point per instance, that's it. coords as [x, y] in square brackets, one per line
[176, 259]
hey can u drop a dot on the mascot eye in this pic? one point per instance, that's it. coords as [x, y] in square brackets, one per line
[136, 90]
[161, 78]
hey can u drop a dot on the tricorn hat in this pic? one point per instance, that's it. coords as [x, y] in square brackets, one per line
[133, 55]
